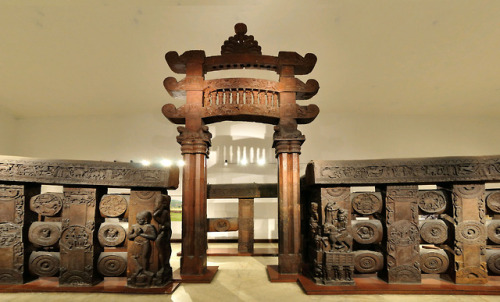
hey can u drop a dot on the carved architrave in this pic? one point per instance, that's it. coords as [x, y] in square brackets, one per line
[433, 202]
[111, 234]
[493, 260]
[44, 264]
[367, 231]
[434, 231]
[47, 204]
[113, 205]
[469, 214]
[76, 243]
[112, 264]
[367, 203]
[44, 233]
[408, 170]
[493, 230]
[434, 261]
[72, 172]
[366, 262]
[402, 234]
[493, 201]
[11, 229]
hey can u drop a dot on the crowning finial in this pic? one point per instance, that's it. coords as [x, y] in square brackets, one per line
[241, 43]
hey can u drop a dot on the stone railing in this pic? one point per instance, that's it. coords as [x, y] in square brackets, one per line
[83, 234]
[398, 228]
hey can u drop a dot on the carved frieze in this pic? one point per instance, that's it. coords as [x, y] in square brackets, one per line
[367, 203]
[411, 170]
[368, 261]
[10, 234]
[44, 264]
[403, 233]
[434, 231]
[111, 234]
[367, 231]
[47, 204]
[112, 264]
[434, 261]
[86, 173]
[44, 233]
[113, 205]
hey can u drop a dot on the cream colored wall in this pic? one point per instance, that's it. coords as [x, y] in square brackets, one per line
[7, 133]
[332, 136]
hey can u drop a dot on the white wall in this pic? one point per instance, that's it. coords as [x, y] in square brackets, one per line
[8, 129]
[331, 136]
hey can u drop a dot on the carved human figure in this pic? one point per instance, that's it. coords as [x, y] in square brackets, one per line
[162, 216]
[336, 229]
[142, 233]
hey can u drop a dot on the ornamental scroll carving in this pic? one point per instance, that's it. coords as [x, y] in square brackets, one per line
[411, 170]
[84, 172]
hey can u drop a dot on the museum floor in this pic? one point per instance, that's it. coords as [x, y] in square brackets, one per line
[238, 279]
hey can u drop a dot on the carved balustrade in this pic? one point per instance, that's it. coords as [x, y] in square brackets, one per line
[244, 223]
[84, 236]
[400, 231]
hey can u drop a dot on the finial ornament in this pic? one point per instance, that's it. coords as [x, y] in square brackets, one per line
[241, 43]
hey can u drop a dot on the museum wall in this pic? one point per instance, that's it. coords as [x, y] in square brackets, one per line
[332, 136]
[7, 133]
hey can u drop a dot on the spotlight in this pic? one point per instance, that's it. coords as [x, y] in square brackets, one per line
[166, 162]
[180, 163]
[244, 162]
[261, 162]
[225, 162]
[145, 162]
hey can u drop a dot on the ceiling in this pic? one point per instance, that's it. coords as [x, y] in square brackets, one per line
[425, 57]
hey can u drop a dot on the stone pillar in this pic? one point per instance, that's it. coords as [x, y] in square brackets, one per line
[245, 225]
[469, 214]
[403, 256]
[194, 148]
[287, 143]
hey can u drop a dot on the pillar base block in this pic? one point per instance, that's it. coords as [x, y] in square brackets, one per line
[207, 277]
[274, 275]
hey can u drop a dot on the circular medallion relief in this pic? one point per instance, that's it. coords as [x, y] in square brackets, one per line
[111, 234]
[494, 262]
[47, 204]
[44, 233]
[404, 273]
[434, 231]
[44, 264]
[221, 225]
[367, 203]
[367, 231]
[111, 265]
[493, 229]
[434, 261]
[493, 201]
[112, 205]
[432, 202]
[368, 261]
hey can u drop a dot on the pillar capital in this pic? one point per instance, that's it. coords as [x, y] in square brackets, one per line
[287, 139]
[194, 142]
